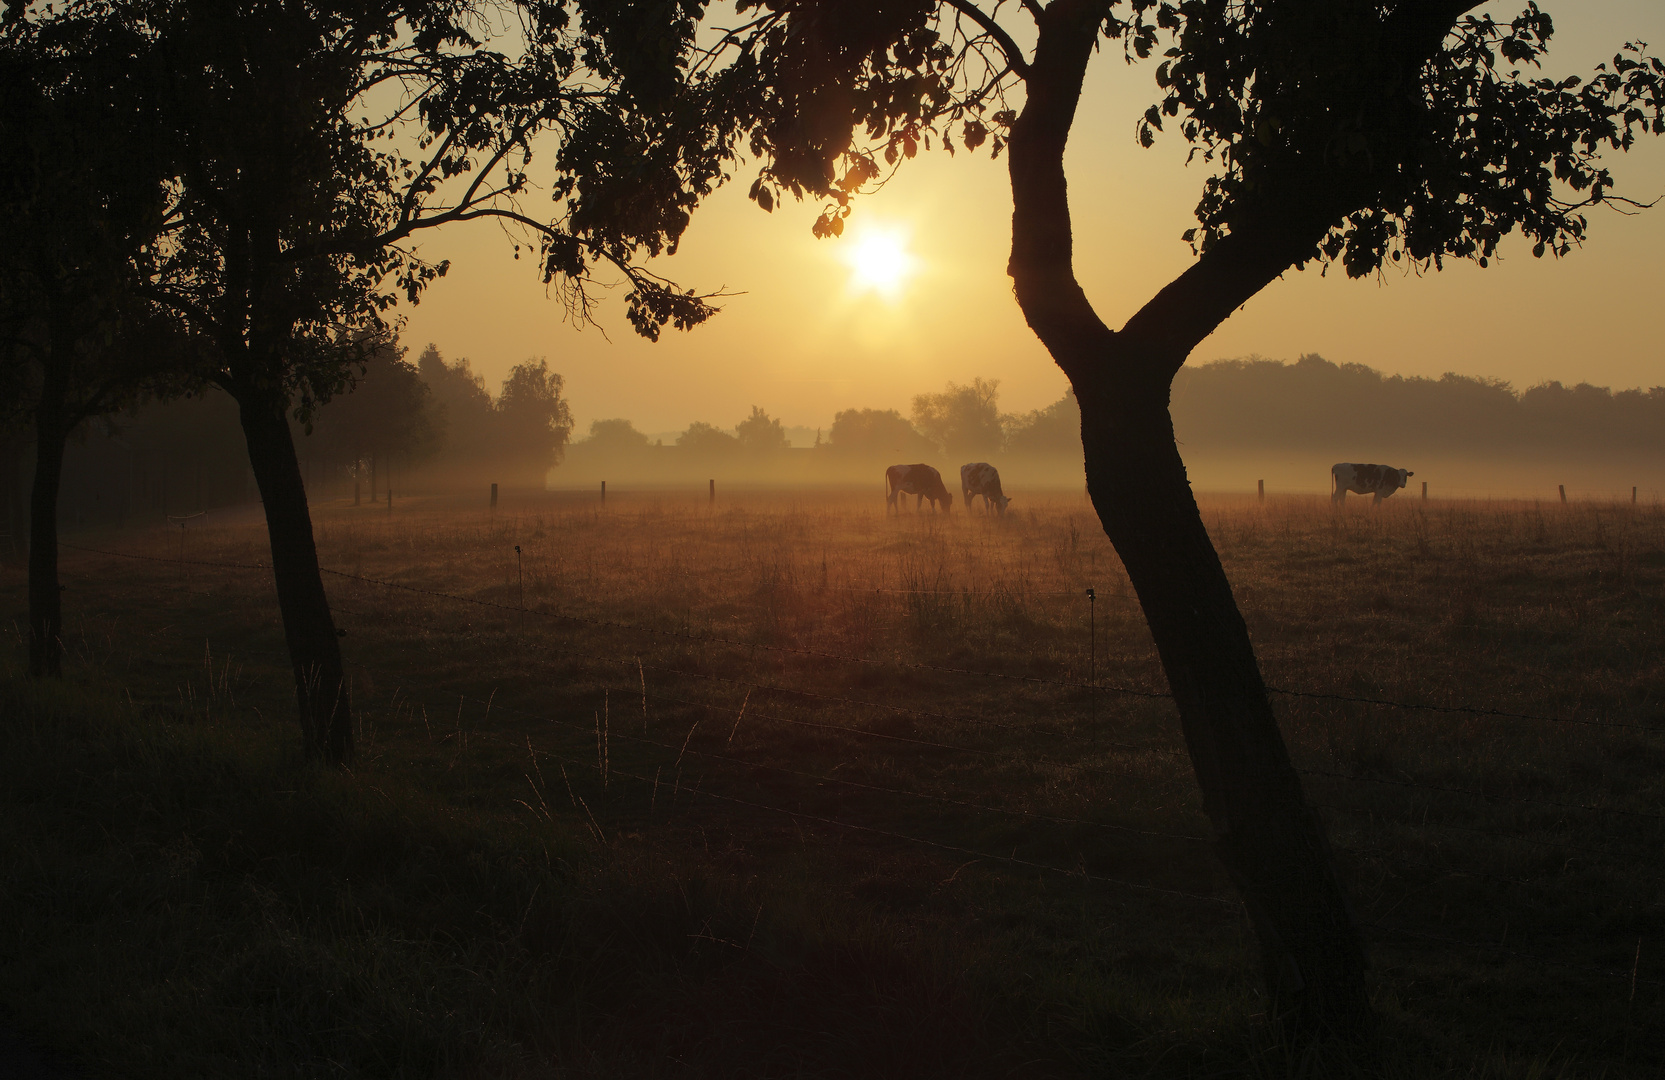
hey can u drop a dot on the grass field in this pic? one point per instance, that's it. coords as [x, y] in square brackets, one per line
[783, 787]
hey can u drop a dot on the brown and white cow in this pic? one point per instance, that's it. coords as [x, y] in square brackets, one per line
[919, 480]
[981, 478]
[1378, 480]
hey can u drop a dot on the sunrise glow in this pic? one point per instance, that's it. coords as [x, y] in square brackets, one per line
[880, 262]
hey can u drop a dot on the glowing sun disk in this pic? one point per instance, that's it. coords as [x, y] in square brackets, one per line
[880, 262]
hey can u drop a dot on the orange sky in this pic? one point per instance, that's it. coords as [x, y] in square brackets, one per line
[802, 341]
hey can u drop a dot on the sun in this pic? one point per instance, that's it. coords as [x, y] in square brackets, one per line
[880, 262]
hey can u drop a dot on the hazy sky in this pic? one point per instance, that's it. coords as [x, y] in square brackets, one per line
[807, 335]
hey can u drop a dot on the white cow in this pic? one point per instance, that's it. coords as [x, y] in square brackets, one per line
[1378, 480]
[981, 478]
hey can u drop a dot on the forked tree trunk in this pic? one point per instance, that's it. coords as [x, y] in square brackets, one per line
[321, 689]
[1267, 835]
[46, 614]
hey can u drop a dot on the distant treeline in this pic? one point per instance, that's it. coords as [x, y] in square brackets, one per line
[433, 421]
[961, 422]
[1256, 404]
[428, 423]
[1225, 411]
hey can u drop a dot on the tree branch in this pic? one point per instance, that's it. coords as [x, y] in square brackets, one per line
[1014, 55]
[1042, 261]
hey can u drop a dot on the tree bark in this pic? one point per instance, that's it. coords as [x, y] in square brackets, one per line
[321, 688]
[1267, 835]
[46, 615]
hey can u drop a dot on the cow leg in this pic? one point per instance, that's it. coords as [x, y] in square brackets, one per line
[1339, 497]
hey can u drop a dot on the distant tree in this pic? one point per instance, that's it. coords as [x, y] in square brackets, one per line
[1336, 132]
[963, 420]
[387, 411]
[707, 441]
[882, 433]
[463, 410]
[533, 422]
[760, 434]
[1052, 431]
[615, 437]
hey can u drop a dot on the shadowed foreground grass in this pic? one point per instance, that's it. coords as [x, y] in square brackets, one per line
[187, 898]
[718, 803]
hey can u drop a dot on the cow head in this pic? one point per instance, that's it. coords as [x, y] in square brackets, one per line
[1000, 505]
[1404, 475]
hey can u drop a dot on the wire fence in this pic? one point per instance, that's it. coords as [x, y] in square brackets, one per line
[834, 715]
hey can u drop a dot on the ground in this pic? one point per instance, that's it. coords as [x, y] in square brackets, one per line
[781, 785]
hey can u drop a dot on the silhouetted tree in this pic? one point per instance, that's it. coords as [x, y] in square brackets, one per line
[533, 421]
[615, 437]
[881, 433]
[705, 440]
[1054, 430]
[1340, 131]
[296, 200]
[387, 411]
[963, 420]
[463, 406]
[83, 200]
[761, 434]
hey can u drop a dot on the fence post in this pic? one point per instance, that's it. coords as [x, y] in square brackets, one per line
[604, 491]
[1092, 648]
[494, 496]
[1262, 484]
[1633, 495]
[1563, 489]
[1425, 491]
[713, 491]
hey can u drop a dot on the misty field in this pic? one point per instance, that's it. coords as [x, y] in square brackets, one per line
[782, 785]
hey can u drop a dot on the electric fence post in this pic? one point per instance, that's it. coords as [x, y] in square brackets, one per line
[1092, 650]
[520, 587]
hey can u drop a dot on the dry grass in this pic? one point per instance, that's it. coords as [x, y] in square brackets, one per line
[911, 689]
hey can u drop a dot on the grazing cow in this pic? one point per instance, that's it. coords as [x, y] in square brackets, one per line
[1377, 480]
[981, 478]
[920, 480]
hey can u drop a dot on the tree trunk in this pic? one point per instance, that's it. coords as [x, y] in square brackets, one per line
[1271, 842]
[1269, 839]
[46, 615]
[314, 649]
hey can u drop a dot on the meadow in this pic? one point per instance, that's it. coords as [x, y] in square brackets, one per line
[779, 785]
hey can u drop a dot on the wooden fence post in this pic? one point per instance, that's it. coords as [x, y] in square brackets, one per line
[713, 491]
[604, 491]
[1425, 491]
[1563, 489]
[1262, 484]
[494, 496]
[1633, 495]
